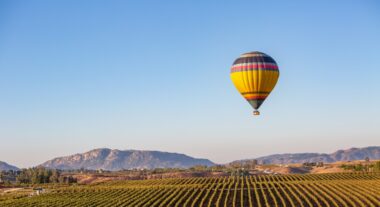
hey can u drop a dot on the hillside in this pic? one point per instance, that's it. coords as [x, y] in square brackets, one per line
[5, 166]
[113, 159]
[341, 155]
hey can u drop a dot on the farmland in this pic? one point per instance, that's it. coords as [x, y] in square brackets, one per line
[317, 190]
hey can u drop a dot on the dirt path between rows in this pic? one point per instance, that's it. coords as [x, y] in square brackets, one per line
[12, 189]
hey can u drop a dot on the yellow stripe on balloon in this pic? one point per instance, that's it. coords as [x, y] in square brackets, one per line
[253, 81]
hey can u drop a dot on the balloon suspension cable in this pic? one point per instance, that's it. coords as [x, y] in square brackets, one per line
[256, 113]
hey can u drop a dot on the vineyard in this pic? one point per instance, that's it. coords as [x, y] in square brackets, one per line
[317, 190]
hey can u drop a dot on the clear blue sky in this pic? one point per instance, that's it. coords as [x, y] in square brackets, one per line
[154, 75]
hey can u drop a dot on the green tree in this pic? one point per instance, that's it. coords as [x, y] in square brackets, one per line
[1, 177]
[54, 178]
[359, 167]
[376, 167]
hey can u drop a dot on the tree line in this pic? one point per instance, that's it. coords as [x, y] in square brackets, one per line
[367, 167]
[36, 175]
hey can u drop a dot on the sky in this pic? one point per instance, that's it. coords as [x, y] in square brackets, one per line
[154, 75]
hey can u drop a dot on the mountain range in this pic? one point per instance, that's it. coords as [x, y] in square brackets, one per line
[372, 153]
[113, 159]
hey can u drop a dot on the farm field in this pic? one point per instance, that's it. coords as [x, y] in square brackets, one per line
[317, 190]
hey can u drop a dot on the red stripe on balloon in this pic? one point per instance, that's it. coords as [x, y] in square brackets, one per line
[255, 66]
[256, 98]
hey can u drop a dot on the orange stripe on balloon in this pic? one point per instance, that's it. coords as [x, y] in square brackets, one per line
[255, 97]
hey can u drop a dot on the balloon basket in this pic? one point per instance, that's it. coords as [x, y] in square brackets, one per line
[256, 113]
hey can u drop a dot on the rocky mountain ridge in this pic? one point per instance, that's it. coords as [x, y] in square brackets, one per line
[113, 159]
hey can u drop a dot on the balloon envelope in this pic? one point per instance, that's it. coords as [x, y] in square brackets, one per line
[254, 75]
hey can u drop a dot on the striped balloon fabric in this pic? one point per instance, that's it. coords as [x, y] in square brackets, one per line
[255, 74]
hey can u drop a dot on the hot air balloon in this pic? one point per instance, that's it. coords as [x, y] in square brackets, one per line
[254, 75]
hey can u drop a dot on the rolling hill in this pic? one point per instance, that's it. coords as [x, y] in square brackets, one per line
[351, 154]
[5, 166]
